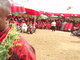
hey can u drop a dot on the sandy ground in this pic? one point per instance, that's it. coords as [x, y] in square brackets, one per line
[56, 45]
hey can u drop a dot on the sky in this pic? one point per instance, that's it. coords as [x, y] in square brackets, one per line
[54, 6]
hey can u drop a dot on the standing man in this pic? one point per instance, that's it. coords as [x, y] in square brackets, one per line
[12, 45]
[24, 27]
[53, 24]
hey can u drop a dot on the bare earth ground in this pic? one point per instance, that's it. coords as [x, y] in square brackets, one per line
[56, 45]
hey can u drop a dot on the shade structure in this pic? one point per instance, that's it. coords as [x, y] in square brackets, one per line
[48, 14]
[32, 12]
[78, 15]
[56, 14]
[42, 12]
[17, 9]
[67, 15]
[62, 14]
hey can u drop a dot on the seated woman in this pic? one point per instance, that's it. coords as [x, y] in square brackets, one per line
[12, 45]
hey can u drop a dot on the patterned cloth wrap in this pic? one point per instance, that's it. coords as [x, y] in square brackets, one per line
[20, 49]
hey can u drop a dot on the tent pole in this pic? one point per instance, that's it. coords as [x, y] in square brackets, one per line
[34, 21]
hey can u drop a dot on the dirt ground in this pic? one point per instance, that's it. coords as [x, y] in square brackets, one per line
[56, 45]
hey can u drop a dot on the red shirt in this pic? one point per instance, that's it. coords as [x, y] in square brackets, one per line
[20, 52]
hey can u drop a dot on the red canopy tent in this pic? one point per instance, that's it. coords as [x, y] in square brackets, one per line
[78, 15]
[48, 14]
[67, 15]
[32, 12]
[42, 12]
[56, 14]
[17, 9]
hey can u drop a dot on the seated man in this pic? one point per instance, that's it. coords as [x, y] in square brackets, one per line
[12, 46]
[76, 32]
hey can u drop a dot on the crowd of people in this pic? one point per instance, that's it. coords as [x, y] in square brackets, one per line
[60, 24]
[28, 25]
[24, 25]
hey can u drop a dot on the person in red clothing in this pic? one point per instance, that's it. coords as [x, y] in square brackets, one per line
[12, 45]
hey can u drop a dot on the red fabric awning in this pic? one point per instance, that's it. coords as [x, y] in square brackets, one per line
[32, 12]
[17, 9]
[78, 15]
[42, 12]
[67, 15]
[48, 14]
[56, 14]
